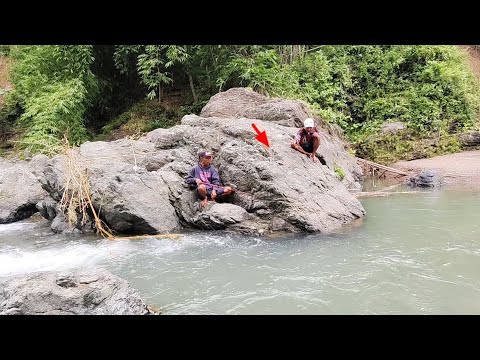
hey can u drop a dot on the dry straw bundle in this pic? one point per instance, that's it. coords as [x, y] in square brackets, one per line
[76, 199]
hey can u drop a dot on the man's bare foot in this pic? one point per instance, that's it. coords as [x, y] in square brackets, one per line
[313, 157]
[204, 203]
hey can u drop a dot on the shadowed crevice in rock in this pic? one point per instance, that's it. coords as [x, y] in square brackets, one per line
[21, 212]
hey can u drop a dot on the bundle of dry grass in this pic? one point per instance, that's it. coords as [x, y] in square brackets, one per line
[76, 202]
[76, 199]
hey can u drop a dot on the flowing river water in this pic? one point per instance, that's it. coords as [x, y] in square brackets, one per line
[412, 254]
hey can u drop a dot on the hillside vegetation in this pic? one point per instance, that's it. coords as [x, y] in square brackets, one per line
[90, 91]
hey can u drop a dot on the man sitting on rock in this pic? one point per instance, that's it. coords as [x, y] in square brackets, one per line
[204, 177]
[307, 140]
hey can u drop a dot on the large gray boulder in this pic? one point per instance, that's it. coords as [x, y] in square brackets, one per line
[246, 103]
[130, 198]
[20, 190]
[137, 186]
[280, 189]
[77, 293]
[429, 178]
[220, 216]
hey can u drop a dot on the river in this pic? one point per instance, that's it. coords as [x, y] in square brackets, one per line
[412, 254]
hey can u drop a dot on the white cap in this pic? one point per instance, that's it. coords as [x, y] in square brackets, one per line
[308, 122]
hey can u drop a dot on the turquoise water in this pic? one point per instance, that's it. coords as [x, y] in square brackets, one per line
[412, 254]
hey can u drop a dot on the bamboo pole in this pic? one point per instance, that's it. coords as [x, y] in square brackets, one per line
[382, 167]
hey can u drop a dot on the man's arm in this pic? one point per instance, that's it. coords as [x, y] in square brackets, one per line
[297, 147]
[216, 178]
[190, 179]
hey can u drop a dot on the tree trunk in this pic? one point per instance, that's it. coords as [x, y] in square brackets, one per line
[159, 92]
[190, 79]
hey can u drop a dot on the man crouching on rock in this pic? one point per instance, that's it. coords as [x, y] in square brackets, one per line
[307, 140]
[204, 177]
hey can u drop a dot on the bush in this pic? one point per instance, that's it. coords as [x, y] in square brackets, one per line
[4, 50]
[339, 172]
[389, 148]
[54, 86]
[144, 116]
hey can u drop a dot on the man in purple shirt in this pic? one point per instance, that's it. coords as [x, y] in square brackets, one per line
[307, 139]
[204, 177]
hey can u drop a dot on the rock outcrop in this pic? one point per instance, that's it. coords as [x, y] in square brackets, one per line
[20, 190]
[428, 178]
[246, 103]
[75, 293]
[138, 186]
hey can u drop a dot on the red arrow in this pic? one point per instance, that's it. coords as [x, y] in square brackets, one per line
[261, 136]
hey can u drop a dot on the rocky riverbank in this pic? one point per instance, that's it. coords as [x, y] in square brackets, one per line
[137, 186]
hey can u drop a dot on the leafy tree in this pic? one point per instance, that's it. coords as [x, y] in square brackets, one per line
[54, 85]
[60, 89]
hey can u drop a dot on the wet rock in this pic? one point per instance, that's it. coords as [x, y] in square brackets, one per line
[69, 293]
[20, 190]
[47, 208]
[429, 178]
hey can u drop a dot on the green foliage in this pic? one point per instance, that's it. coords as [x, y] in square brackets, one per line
[62, 117]
[324, 84]
[163, 121]
[153, 64]
[8, 114]
[4, 50]
[389, 148]
[54, 85]
[119, 85]
[143, 117]
[123, 118]
[194, 108]
[339, 172]
[260, 71]
[429, 88]
[125, 57]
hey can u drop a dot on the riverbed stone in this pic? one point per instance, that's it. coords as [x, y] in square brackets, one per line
[20, 189]
[92, 292]
[428, 178]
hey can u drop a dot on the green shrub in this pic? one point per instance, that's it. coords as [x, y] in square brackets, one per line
[54, 86]
[389, 148]
[4, 50]
[144, 116]
[339, 172]
[117, 122]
